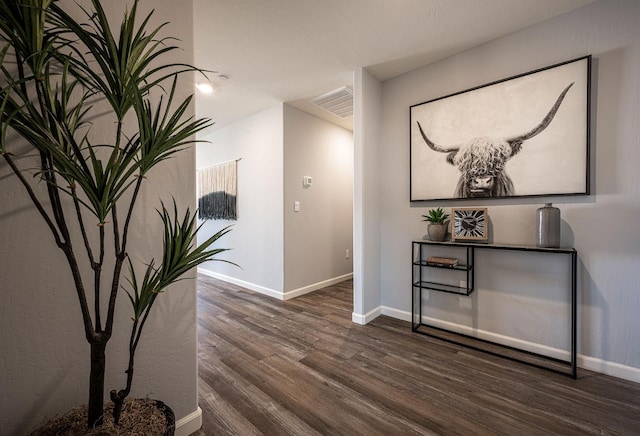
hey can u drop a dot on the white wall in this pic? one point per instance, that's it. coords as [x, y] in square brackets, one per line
[316, 238]
[284, 253]
[257, 235]
[45, 357]
[367, 198]
[603, 227]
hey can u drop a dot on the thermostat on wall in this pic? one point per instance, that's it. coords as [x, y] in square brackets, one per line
[307, 181]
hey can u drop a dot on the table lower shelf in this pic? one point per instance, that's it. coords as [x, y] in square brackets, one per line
[443, 287]
[505, 351]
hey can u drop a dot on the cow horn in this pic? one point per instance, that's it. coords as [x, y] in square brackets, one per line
[434, 146]
[517, 140]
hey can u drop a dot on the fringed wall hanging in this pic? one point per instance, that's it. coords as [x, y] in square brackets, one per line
[217, 191]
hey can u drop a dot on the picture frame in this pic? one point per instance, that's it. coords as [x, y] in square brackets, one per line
[469, 224]
[523, 136]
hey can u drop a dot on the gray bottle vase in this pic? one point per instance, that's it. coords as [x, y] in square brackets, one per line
[548, 226]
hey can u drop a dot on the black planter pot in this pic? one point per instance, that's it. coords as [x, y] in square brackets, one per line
[170, 416]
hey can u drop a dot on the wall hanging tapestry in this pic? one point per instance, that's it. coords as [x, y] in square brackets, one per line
[523, 136]
[217, 191]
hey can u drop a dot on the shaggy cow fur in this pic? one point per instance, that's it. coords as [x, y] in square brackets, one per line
[483, 158]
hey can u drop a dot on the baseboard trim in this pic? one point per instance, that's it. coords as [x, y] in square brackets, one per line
[395, 313]
[314, 287]
[601, 366]
[272, 292]
[609, 368]
[367, 317]
[509, 341]
[253, 287]
[189, 424]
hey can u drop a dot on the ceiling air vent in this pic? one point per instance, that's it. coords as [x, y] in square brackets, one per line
[339, 102]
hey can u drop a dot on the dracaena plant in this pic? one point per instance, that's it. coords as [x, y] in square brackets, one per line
[57, 76]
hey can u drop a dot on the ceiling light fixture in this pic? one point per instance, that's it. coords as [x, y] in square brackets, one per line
[205, 88]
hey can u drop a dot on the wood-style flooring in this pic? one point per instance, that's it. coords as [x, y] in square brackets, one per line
[301, 367]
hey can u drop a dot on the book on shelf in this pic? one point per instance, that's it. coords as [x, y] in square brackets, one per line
[442, 261]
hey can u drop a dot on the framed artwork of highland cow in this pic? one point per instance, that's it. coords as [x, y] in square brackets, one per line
[523, 136]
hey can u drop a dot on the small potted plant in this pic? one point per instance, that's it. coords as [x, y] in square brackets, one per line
[438, 224]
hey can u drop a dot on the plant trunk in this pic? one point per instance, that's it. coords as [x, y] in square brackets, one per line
[96, 385]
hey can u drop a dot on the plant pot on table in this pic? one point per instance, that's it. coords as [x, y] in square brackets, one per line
[437, 232]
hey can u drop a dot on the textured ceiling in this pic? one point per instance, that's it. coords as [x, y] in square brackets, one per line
[275, 51]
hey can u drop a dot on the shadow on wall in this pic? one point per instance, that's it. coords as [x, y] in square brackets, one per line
[35, 414]
[593, 310]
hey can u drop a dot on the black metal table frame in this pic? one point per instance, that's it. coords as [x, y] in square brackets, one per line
[417, 286]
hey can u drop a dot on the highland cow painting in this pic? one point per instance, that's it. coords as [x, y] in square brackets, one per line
[523, 136]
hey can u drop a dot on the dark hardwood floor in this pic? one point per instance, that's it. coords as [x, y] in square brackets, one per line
[301, 367]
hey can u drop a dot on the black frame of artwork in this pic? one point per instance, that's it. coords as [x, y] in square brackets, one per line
[523, 136]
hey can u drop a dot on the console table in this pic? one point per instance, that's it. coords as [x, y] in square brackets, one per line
[466, 267]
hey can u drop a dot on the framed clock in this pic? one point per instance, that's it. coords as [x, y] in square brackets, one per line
[469, 224]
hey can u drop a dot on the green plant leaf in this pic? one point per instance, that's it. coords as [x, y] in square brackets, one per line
[436, 216]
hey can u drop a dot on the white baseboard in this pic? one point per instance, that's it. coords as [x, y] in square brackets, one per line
[256, 288]
[586, 362]
[316, 286]
[609, 368]
[395, 313]
[509, 341]
[367, 317]
[272, 292]
[189, 424]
